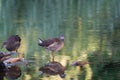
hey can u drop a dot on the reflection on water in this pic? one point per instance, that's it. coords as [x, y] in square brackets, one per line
[91, 30]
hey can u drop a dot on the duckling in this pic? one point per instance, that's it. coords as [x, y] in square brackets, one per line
[53, 44]
[53, 68]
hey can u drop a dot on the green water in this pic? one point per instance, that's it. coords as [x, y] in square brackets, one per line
[91, 29]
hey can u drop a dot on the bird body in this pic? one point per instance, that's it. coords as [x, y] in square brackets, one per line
[5, 55]
[12, 43]
[54, 44]
[53, 68]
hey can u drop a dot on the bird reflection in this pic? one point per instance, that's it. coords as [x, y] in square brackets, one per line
[9, 69]
[79, 63]
[53, 68]
[13, 72]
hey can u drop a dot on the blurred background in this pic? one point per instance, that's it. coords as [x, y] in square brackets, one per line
[91, 29]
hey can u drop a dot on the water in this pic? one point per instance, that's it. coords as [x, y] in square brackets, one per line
[91, 30]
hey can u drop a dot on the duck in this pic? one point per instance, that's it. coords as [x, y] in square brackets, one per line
[53, 44]
[12, 43]
[5, 55]
[13, 72]
[10, 69]
[53, 68]
[79, 63]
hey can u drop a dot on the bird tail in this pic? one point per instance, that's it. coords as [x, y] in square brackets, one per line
[40, 41]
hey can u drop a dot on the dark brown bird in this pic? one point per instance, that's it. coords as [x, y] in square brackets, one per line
[79, 63]
[12, 43]
[53, 68]
[4, 55]
[53, 44]
[13, 72]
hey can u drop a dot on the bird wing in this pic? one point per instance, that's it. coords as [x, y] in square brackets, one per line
[51, 69]
[52, 45]
[50, 41]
